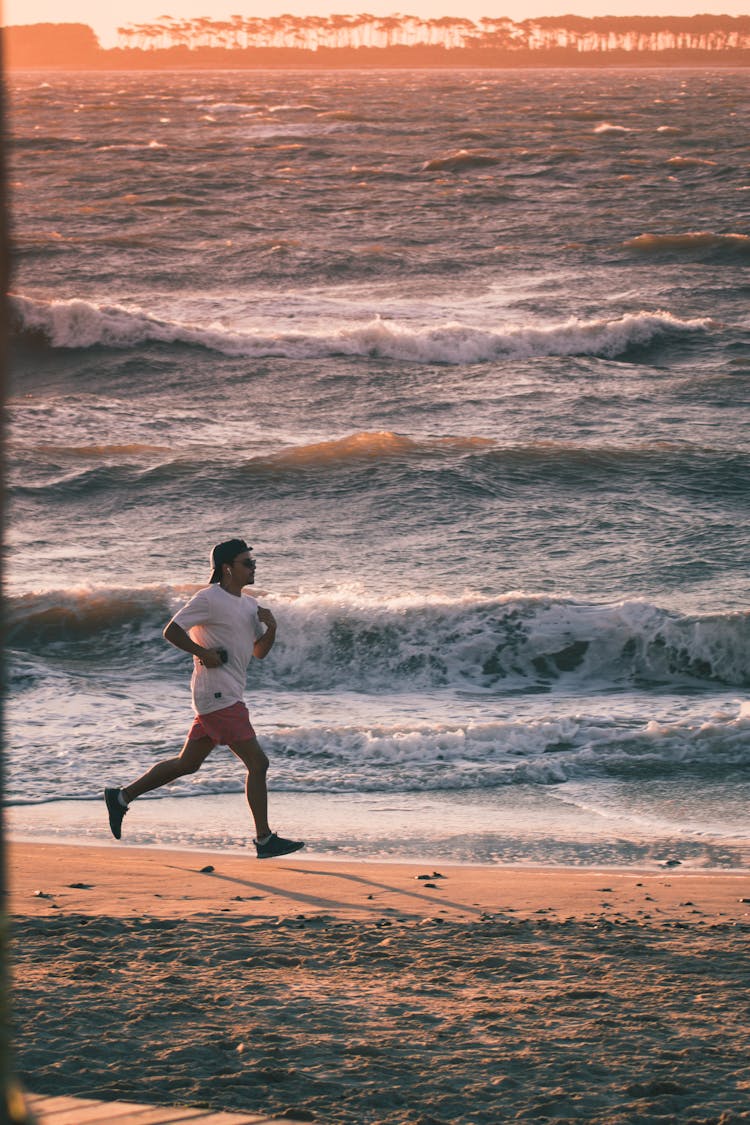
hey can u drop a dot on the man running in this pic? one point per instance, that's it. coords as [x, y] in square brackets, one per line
[222, 629]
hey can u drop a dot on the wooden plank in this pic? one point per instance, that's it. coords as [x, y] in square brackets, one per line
[85, 1111]
[66, 1110]
[80, 1112]
[224, 1117]
[172, 1115]
[58, 1101]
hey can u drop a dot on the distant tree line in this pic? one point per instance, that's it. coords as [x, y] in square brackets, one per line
[354, 32]
[404, 41]
[39, 44]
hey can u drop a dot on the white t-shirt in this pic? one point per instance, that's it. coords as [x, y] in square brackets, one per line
[216, 619]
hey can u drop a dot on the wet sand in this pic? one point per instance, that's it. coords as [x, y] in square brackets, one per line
[373, 992]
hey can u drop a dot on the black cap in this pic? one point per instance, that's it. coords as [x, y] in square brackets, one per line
[225, 553]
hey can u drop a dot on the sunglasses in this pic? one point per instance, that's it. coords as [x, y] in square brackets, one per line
[249, 563]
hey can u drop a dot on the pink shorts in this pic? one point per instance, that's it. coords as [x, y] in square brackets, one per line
[230, 724]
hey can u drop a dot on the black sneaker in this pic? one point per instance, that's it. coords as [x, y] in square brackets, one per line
[277, 845]
[116, 811]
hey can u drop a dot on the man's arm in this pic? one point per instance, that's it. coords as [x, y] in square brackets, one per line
[264, 644]
[177, 636]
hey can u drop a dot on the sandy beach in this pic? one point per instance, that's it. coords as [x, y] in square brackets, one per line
[356, 992]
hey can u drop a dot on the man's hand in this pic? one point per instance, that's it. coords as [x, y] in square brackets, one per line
[210, 658]
[266, 617]
[264, 644]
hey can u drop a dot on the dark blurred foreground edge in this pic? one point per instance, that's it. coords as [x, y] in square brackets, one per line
[13, 1109]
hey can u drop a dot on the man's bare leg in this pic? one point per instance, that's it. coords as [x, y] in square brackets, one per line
[268, 844]
[191, 758]
[249, 751]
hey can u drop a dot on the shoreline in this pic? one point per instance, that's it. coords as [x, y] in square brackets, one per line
[333, 858]
[515, 826]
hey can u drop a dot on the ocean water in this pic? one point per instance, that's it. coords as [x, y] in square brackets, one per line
[464, 355]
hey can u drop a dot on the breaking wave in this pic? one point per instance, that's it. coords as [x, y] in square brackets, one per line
[330, 642]
[85, 324]
[606, 128]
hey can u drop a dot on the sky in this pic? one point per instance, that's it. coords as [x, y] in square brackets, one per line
[105, 18]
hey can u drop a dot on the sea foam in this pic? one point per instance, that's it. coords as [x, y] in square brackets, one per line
[78, 323]
[548, 750]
